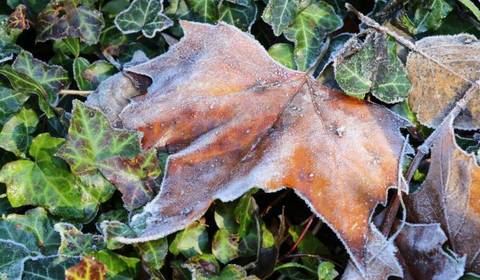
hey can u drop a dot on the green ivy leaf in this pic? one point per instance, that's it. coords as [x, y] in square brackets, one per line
[279, 14]
[47, 268]
[16, 134]
[153, 253]
[68, 46]
[118, 267]
[10, 102]
[8, 37]
[74, 243]
[283, 54]
[203, 10]
[80, 64]
[51, 77]
[225, 246]
[62, 19]
[12, 258]
[91, 139]
[376, 68]
[233, 271]
[145, 16]
[308, 31]
[191, 241]
[326, 271]
[242, 16]
[225, 218]
[427, 15]
[245, 213]
[47, 182]
[37, 222]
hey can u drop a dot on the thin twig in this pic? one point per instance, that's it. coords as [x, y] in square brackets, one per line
[75, 92]
[423, 149]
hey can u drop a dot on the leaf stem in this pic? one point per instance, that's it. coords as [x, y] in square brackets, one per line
[302, 235]
[76, 92]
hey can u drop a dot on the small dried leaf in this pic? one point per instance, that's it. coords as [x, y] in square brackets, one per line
[422, 256]
[434, 89]
[450, 195]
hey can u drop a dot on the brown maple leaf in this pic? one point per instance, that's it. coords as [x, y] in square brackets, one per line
[235, 119]
[450, 195]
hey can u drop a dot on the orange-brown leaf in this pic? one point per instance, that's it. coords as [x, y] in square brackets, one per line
[236, 120]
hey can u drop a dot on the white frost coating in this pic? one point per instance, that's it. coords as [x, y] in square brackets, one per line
[381, 262]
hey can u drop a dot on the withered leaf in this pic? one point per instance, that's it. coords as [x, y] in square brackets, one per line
[434, 89]
[236, 119]
[450, 196]
[422, 256]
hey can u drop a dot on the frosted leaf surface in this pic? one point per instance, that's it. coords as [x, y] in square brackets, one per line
[234, 119]
[435, 90]
[450, 196]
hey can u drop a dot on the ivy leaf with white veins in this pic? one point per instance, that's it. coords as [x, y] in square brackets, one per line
[372, 67]
[63, 18]
[37, 222]
[242, 16]
[426, 15]
[145, 16]
[235, 119]
[16, 134]
[279, 14]
[203, 10]
[51, 77]
[46, 181]
[308, 30]
[91, 140]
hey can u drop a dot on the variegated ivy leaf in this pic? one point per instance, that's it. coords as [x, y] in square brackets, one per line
[133, 177]
[75, 243]
[64, 18]
[373, 68]
[91, 140]
[16, 134]
[145, 16]
[88, 268]
[46, 181]
[153, 253]
[306, 26]
[191, 241]
[279, 14]
[51, 77]
[242, 16]
[10, 102]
